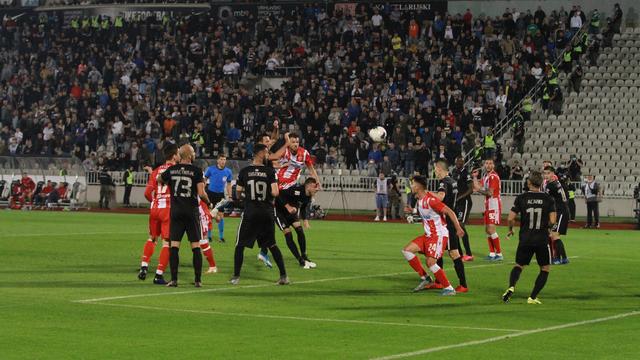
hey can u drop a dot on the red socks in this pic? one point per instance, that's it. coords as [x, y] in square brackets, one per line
[492, 248]
[496, 244]
[147, 252]
[442, 278]
[163, 260]
[208, 252]
[417, 266]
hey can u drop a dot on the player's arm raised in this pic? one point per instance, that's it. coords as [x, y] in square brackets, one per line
[313, 172]
[278, 154]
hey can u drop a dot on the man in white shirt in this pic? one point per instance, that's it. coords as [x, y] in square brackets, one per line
[47, 132]
[382, 197]
[576, 21]
[376, 19]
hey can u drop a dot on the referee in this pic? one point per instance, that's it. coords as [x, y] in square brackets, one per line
[219, 187]
[187, 185]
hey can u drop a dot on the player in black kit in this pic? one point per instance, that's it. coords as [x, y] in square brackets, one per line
[448, 193]
[187, 185]
[287, 205]
[463, 205]
[259, 185]
[556, 190]
[537, 216]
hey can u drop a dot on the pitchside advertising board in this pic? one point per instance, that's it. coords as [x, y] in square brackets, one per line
[419, 9]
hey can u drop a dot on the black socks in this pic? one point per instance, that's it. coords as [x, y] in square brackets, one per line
[515, 275]
[459, 266]
[540, 282]
[238, 258]
[197, 264]
[174, 261]
[277, 257]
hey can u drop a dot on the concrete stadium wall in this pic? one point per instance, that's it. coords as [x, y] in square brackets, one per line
[366, 201]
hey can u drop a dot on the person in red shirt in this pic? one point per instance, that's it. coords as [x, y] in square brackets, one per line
[432, 243]
[39, 199]
[23, 192]
[294, 159]
[159, 217]
[490, 188]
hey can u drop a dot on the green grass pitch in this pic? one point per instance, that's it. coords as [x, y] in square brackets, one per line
[357, 304]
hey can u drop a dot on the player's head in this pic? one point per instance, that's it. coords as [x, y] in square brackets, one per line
[261, 153]
[489, 164]
[264, 139]
[459, 162]
[548, 172]
[186, 153]
[170, 152]
[441, 169]
[25, 175]
[535, 180]
[294, 142]
[311, 186]
[546, 163]
[221, 161]
[418, 183]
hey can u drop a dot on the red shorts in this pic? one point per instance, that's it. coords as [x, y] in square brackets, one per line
[431, 246]
[492, 213]
[159, 220]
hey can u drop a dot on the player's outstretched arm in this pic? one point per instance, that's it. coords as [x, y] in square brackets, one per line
[512, 222]
[278, 154]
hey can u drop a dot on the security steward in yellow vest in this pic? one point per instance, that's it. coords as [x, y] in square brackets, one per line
[128, 185]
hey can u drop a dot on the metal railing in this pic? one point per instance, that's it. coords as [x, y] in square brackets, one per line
[503, 124]
[350, 183]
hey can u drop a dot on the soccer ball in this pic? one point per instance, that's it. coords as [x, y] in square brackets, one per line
[410, 219]
[378, 134]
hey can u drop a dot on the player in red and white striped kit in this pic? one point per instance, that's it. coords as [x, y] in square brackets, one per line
[206, 222]
[159, 217]
[490, 188]
[434, 241]
[295, 158]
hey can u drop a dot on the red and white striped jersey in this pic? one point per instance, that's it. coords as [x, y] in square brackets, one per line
[158, 195]
[430, 209]
[491, 181]
[291, 166]
[205, 219]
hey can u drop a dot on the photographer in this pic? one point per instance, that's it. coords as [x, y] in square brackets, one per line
[575, 168]
[592, 196]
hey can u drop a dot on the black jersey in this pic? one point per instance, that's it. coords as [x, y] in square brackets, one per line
[256, 181]
[183, 180]
[463, 179]
[559, 195]
[295, 196]
[534, 209]
[450, 189]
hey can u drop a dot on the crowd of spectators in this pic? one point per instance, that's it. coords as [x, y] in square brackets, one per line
[112, 92]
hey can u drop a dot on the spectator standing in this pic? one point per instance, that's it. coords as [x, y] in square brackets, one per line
[592, 195]
[382, 197]
[128, 185]
[106, 185]
[575, 168]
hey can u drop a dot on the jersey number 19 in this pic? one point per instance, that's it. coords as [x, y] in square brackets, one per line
[258, 190]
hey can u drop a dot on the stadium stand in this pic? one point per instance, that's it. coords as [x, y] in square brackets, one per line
[598, 124]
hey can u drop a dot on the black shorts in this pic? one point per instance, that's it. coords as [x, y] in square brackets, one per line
[463, 208]
[284, 219]
[257, 225]
[562, 223]
[215, 197]
[454, 240]
[185, 222]
[525, 252]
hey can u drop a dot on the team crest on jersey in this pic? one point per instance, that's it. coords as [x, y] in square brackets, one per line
[296, 193]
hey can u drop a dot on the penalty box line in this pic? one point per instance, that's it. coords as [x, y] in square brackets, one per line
[301, 318]
[256, 286]
[508, 336]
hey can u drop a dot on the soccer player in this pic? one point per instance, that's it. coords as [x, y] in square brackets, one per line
[186, 185]
[448, 193]
[295, 158]
[463, 204]
[435, 238]
[537, 215]
[490, 188]
[288, 202]
[555, 189]
[259, 185]
[206, 222]
[219, 188]
[159, 215]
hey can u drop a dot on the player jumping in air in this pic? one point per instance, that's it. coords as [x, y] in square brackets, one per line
[259, 185]
[537, 215]
[288, 202]
[434, 240]
[206, 224]
[294, 159]
[186, 185]
[219, 188]
[555, 189]
[490, 188]
[159, 214]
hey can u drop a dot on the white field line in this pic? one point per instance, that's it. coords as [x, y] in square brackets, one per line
[299, 318]
[508, 336]
[314, 281]
[76, 234]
